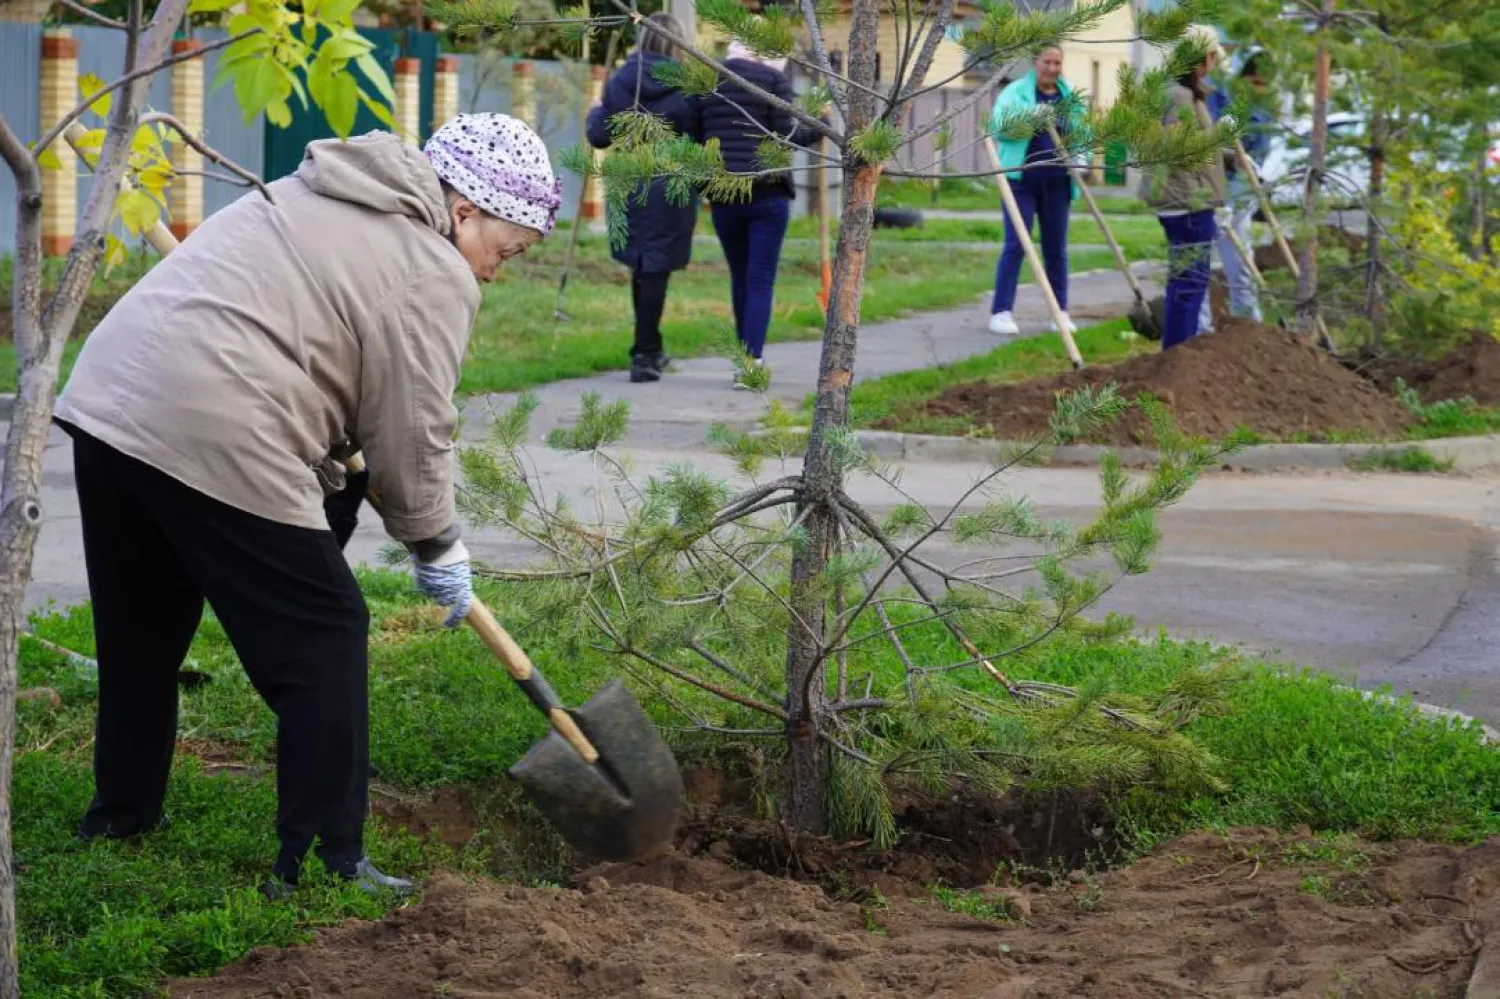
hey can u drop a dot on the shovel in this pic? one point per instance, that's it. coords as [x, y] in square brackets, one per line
[603, 776]
[1144, 319]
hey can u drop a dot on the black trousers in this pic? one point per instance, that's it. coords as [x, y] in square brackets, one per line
[155, 550]
[648, 293]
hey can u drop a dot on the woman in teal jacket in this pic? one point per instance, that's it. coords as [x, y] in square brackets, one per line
[1044, 191]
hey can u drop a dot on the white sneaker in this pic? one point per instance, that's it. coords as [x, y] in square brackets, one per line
[1004, 324]
[1071, 327]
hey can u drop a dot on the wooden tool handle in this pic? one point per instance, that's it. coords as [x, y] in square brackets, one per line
[515, 660]
[1038, 270]
[536, 687]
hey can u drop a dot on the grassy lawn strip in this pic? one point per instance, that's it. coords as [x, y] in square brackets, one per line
[1141, 238]
[901, 396]
[979, 195]
[110, 919]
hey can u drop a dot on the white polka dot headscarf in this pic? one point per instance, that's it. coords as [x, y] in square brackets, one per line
[501, 165]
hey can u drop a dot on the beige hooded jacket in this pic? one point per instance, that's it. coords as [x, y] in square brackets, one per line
[282, 334]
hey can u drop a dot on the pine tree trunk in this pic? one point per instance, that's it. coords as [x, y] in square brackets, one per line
[822, 475]
[1374, 303]
[822, 479]
[1317, 163]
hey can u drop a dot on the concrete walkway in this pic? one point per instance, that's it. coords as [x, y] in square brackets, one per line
[674, 412]
[1384, 579]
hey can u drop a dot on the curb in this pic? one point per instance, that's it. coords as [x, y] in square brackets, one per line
[7, 406]
[1468, 454]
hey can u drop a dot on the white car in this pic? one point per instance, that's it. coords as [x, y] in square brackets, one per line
[1347, 180]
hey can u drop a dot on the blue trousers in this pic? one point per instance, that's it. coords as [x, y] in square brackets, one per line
[1190, 241]
[751, 234]
[1049, 200]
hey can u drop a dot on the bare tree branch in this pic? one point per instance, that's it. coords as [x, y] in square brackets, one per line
[208, 153]
[701, 684]
[820, 52]
[25, 294]
[132, 75]
[935, 35]
[729, 670]
[961, 107]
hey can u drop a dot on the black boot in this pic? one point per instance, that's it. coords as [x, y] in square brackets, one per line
[95, 828]
[644, 368]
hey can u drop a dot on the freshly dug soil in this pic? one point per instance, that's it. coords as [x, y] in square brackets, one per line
[1245, 375]
[1216, 916]
[1472, 371]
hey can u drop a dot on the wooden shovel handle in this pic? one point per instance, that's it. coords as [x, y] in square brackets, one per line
[514, 658]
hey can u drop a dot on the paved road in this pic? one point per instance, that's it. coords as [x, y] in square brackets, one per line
[1386, 579]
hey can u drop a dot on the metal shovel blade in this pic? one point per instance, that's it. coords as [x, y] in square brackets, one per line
[1148, 319]
[626, 806]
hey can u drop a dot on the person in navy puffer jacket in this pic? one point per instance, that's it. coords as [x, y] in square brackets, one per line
[751, 232]
[659, 230]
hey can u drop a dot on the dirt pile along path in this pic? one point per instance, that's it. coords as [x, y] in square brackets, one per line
[1470, 371]
[1245, 375]
[1251, 914]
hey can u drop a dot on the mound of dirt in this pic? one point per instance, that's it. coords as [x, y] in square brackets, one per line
[1245, 375]
[1472, 371]
[1246, 914]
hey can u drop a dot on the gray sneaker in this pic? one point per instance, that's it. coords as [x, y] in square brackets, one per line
[366, 875]
[371, 879]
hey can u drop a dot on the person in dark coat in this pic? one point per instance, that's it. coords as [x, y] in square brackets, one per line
[659, 231]
[751, 232]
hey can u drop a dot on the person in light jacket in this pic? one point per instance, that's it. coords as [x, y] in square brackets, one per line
[1186, 201]
[751, 232]
[1250, 84]
[659, 229]
[211, 412]
[1044, 189]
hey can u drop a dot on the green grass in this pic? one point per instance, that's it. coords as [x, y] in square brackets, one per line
[978, 195]
[1140, 238]
[899, 397]
[112, 919]
[1407, 459]
[1449, 417]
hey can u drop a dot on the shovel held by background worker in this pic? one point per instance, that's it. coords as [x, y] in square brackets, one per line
[603, 776]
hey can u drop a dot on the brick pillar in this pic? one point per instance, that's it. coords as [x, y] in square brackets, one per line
[444, 91]
[592, 206]
[185, 196]
[408, 110]
[59, 93]
[523, 92]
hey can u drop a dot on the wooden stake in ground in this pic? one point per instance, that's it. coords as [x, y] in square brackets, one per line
[1038, 271]
[1317, 161]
